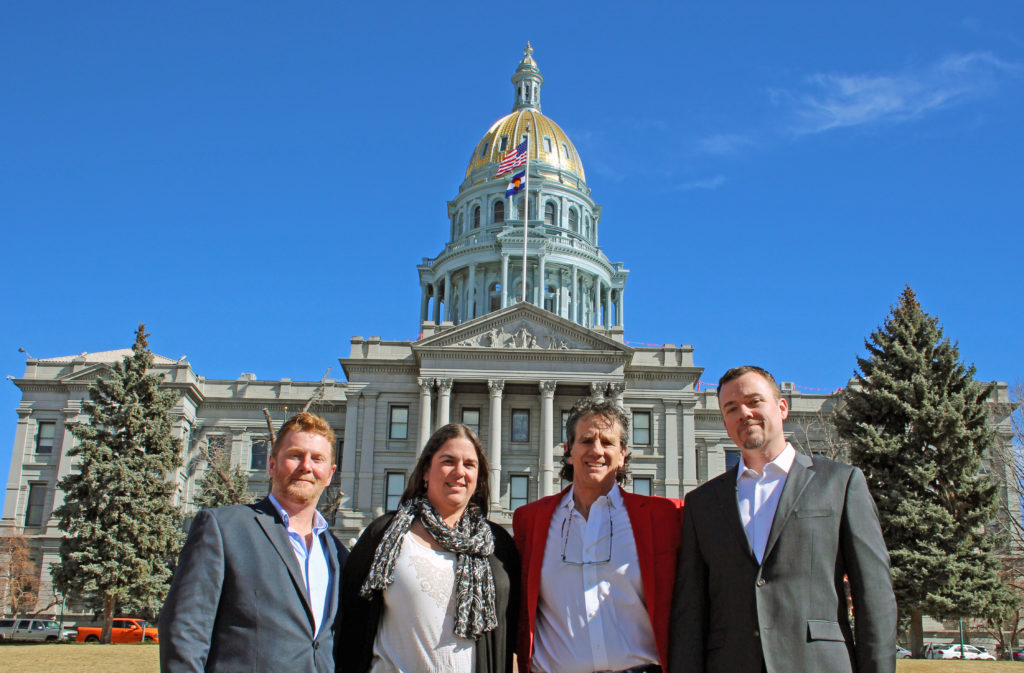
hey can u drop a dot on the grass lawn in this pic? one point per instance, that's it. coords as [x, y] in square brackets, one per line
[92, 658]
[79, 658]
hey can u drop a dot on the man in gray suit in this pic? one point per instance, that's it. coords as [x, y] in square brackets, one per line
[766, 548]
[256, 588]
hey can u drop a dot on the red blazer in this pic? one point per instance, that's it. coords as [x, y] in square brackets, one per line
[657, 527]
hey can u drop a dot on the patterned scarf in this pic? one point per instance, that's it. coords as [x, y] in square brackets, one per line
[471, 540]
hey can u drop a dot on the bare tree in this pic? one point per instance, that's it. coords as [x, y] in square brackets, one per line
[816, 433]
[19, 575]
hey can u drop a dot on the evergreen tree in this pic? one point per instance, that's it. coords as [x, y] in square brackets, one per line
[221, 484]
[122, 532]
[915, 421]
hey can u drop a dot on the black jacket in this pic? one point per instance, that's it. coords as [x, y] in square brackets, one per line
[353, 651]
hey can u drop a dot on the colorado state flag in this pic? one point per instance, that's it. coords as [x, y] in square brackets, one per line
[516, 184]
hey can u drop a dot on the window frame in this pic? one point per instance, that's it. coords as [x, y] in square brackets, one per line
[393, 424]
[39, 437]
[513, 430]
[390, 477]
[645, 479]
[253, 463]
[499, 204]
[474, 426]
[524, 480]
[638, 428]
[35, 487]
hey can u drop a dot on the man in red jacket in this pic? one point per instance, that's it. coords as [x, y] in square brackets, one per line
[598, 562]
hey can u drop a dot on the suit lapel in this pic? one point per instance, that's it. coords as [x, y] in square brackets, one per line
[800, 474]
[275, 531]
[639, 515]
[729, 509]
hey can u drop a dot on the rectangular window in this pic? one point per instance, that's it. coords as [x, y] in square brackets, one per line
[483, 150]
[394, 484]
[520, 425]
[732, 458]
[471, 417]
[45, 437]
[399, 423]
[518, 490]
[642, 485]
[339, 453]
[503, 144]
[258, 454]
[641, 428]
[565, 422]
[547, 144]
[34, 510]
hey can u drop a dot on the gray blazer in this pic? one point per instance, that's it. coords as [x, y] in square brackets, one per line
[789, 614]
[238, 602]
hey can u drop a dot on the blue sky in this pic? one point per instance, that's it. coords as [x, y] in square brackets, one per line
[257, 181]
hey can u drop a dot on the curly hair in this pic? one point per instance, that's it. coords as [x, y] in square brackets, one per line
[588, 406]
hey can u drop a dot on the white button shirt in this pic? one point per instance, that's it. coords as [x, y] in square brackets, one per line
[591, 617]
[757, 496]
[316, 571]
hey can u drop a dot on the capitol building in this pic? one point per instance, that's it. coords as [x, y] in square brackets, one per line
[508, 342]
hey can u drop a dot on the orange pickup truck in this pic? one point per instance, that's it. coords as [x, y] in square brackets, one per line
[123, 631]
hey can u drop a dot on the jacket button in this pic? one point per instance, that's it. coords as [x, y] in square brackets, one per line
[760, 581]
[316, 645]
[757, 634]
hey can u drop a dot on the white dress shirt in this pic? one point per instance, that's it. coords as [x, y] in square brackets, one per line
[757, 496]
[591, 610]
[316, 572]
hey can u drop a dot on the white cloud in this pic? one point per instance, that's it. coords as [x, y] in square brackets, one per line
[706, 183]
[838, 101]
[724, 143]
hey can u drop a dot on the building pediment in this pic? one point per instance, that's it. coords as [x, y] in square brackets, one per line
[521, 327]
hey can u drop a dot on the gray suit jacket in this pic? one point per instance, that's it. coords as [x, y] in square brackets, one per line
[789, 614]
[238, 602]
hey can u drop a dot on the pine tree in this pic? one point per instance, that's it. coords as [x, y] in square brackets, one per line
[122, 532]
[916, 424]
[221, 484]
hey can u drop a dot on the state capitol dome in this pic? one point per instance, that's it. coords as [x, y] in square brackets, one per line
[550, 145]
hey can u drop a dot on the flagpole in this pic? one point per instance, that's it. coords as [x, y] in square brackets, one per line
[526, 209]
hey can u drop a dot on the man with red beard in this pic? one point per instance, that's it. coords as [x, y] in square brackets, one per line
[256, 586]
[765, 552]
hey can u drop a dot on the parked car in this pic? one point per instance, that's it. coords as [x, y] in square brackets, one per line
[124, 630]
[29, 628]
[902, 652]
[969, 652]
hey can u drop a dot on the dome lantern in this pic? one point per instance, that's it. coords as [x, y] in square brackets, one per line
[527, 80]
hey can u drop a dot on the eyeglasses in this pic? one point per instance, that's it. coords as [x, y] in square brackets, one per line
[565, 543]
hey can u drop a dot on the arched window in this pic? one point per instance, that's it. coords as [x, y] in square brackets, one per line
[476, 217]
[499, 211]
[549, 213]
[573, 221]
[494, 293]
[533, 207]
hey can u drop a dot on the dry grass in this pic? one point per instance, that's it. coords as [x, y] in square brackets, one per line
[79, 658]
[90, 658]
[949, 666]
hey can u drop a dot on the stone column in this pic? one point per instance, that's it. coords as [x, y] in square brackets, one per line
[689, 451]
[437, 304]
[14, 511]
[541, 292]
[495, 387]
[546, 485]
[574, 299]
[597, 301]
[365, 486]
[447, 295]
[597, 389]
[471, 294]
[348, 458]
[444, 391]
[609, 319]
[426, 385]
[424, 300]
[615, 390]
[622, 307]
[672, 450]
[504, 281]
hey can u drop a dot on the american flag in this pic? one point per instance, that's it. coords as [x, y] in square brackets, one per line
[515, 158]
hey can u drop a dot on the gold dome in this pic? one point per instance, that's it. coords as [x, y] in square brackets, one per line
[548, 143]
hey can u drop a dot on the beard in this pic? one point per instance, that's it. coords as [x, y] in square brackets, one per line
[303, 491]
[754, 441]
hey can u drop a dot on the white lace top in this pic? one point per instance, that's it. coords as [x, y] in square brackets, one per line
[416, 633]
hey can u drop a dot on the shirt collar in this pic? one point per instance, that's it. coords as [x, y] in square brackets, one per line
[614, 498]
[782, 463]
[319, 522]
